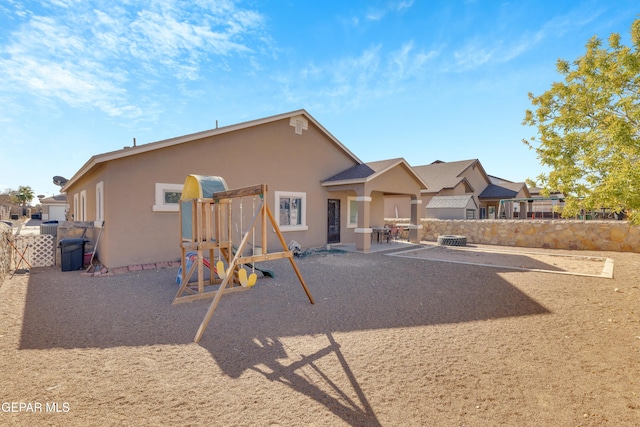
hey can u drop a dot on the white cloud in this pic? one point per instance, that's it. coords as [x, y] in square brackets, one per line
[376, 14]
[473, 55]
[88, 54]
[492, 48]
[351, 81]
[406, 63]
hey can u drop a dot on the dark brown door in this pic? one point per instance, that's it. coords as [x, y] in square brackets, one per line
[333, 231]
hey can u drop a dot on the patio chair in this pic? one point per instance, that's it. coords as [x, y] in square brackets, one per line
[393, 234]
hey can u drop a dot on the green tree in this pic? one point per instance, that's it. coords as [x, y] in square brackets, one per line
[589, 128]
[23, 195]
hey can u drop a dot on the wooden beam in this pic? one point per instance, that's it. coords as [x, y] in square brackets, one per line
[264, 257]
[186, 276]
[205, 295]
[252, 190]
[263, 212]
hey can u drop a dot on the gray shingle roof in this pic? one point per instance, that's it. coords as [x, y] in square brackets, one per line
[58, 198]
[449, 202]
[371, 170]
[439, 175]
[502, 191]
[354, 172]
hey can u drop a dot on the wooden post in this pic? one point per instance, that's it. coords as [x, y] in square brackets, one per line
[223, 285]
[207, 235]
[291, 260]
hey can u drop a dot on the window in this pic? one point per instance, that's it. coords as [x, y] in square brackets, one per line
[291, 211]
[471, 214]
[76, 207]
[83, 206]
[352, 212]
[99, 204]
[167, 197]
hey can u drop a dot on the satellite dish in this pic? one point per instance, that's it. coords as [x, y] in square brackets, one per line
[59, 181]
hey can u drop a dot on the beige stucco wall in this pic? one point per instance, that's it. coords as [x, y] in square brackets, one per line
[383, 203]
[271, 153]
[476, 178]
[553, 234]
[401, 202]
[377, 209]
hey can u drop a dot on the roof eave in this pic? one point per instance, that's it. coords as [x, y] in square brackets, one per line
[343, 182]
[130, 151]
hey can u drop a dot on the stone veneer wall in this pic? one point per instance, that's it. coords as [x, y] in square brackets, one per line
[86, 230]
[617, 236]
[77, 230]
[6, 234]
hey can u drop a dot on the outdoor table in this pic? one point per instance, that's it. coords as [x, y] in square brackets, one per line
[381, 233]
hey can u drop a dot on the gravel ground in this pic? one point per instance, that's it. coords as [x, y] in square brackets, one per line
[390, 341]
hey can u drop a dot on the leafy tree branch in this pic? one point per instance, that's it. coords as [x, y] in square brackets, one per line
[588, 128]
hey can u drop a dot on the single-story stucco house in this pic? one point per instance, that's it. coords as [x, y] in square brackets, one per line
[318, 190]
[54, 208]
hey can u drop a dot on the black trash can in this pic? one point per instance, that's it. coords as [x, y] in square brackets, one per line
[72, 254]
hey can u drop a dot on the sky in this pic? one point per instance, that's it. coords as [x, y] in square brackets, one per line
[422, 80]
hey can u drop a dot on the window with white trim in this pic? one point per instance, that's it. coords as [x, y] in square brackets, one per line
[352, 212]
[291, 211]
[99, 203]
[167, 197]
[76, 207]
[83, 206]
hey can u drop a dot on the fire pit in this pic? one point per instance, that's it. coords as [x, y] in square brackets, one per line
[452, 240]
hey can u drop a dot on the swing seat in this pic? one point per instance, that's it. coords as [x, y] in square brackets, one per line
[222, 273]
[245, 281]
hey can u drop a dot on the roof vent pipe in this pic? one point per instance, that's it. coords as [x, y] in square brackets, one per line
[134, 142]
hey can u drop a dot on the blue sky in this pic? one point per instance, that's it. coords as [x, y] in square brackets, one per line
[424, 80]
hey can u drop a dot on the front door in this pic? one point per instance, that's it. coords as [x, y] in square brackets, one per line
[333, 230]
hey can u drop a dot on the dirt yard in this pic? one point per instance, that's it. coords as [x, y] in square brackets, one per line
[390, 341]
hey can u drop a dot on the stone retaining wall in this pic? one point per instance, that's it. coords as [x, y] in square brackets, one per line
[617, 236]
[6, 234]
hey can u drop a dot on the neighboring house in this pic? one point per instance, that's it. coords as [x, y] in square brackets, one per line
[460, 178]
[54, 207]
[452, 207]
[318, 190]
[505, 199]
[480, 193]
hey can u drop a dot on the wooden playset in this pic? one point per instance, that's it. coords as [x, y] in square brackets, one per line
[206, 219]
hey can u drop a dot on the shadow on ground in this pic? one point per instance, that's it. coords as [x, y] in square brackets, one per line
[353, 292]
